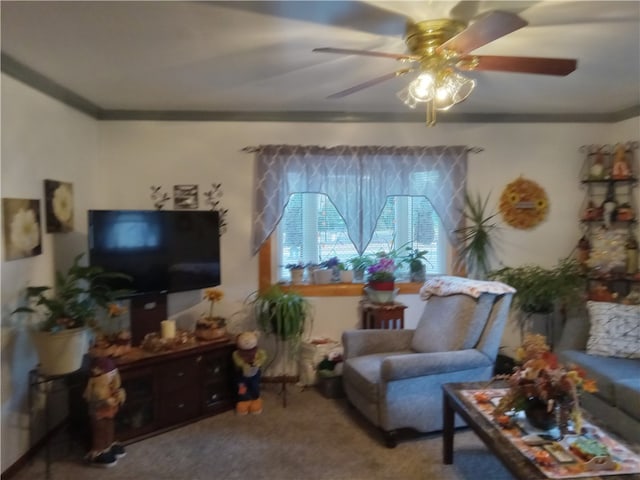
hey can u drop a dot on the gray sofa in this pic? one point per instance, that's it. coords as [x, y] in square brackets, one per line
[394, 377]
[616, 404]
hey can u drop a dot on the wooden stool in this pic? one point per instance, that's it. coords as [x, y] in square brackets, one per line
[382, 315]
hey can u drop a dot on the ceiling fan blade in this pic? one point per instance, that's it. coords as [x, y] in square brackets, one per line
[371, 83]
[486, 29]
[544, 66]
[370, 53]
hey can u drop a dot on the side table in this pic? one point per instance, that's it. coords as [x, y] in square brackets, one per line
[382, 315]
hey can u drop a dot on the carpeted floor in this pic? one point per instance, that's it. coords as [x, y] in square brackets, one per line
[313, 438]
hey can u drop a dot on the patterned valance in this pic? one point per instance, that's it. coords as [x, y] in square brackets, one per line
[358, 180]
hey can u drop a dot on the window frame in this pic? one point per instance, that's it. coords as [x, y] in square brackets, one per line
[265, 272]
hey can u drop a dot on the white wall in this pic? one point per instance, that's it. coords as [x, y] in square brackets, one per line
[113, 164]
[41, 139]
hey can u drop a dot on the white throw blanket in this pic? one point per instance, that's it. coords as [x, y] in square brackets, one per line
[448, 285]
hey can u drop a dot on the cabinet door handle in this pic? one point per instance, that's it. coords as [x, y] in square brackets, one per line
[181, 405]
[180, 374]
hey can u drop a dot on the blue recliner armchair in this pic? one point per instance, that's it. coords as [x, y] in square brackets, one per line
[394, 377]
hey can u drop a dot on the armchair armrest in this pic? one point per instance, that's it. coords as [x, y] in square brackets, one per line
[367, 342]
[411, 365]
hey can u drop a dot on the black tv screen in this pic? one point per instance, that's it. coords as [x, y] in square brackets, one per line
[163, 251]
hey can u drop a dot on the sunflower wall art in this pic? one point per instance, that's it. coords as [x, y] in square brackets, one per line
[58, 206]
[523, 203]
[21, 228]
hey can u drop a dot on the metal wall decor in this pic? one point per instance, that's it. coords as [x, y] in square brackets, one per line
[185, 197]
[158, 197]
[213, 198]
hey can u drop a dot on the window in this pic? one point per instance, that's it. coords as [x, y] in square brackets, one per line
[313, 203]
[311, 231]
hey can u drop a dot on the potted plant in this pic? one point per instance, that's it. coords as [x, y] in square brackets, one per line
[211, 327]
[476, 238]
[346, 275]
[284, 314]
[540, 291]
[359, 265]
[416, 260]
[69, 308]
[297, 272]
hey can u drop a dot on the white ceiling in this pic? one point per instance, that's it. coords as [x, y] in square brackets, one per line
[256, 57]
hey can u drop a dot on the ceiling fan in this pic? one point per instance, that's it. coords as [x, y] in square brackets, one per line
[440, 49]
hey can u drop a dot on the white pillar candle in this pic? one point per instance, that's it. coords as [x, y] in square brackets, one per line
[168, 328]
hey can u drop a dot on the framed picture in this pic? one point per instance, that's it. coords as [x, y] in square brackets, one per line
[185, 197]
[58, 198]
[21, 228]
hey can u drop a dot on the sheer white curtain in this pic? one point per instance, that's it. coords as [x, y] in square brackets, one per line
[358, 180]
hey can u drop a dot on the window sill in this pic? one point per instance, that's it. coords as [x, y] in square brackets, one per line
[345, 289]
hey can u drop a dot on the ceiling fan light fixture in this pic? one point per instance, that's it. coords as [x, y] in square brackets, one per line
[422, 89]
[406, 98]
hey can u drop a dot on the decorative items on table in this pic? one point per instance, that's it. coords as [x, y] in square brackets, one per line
[168, 329]
[154, 343]
[547, 391]
[113, 344]
[212, 327]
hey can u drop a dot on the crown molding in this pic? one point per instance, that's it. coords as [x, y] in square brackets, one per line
[45, 85]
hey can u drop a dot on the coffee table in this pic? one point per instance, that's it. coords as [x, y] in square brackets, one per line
[454, 402]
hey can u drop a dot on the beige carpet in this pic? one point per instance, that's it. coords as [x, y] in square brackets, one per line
[312, 438]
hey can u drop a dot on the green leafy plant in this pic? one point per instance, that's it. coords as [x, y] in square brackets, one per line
[540, 289]
[77, 295]
[361, 262]
[476, 237]
[281, 313]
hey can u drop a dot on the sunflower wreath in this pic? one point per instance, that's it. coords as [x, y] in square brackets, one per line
[523, 203]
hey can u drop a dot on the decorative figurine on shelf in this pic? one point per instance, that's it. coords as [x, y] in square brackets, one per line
[104, 396]
[248, 359]
[609, 206]
[621, 169]
[597, 170]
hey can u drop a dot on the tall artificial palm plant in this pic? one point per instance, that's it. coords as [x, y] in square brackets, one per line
[476, 237]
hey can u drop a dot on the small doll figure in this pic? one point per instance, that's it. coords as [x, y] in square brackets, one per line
[104, 396]
[248, 359]
[621, 169]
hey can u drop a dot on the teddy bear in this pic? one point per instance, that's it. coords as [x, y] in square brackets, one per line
[248, 360]
[104, 395]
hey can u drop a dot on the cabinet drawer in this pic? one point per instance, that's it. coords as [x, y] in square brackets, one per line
[178, 375]
[179, 406]
[216, 368]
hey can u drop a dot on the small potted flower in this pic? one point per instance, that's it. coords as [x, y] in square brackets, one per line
[210, 327]
[359, 265]
[346, 275]
[297, 272]
[381, 275]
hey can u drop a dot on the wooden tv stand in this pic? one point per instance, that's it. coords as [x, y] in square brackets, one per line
[170, 389]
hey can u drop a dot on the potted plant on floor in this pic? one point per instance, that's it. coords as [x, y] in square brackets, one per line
[542, 291]
[65, 312]
[284, 314]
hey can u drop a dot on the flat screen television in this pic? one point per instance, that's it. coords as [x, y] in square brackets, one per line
[163, 251]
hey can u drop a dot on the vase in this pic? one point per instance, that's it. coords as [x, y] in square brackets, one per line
[60, 353]
[381, 285]
[322, 276]
[297, 275]
[346, 276]
[538, 414]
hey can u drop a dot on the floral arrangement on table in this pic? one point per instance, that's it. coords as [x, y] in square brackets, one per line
[382, 271]
[114, 343]
[540, 377]
[211, 327]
